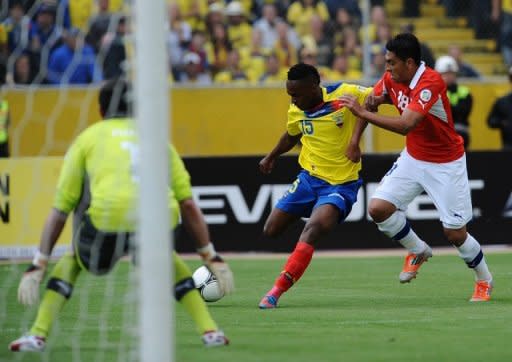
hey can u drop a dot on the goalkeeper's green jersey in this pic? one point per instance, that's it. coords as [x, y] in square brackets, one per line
[99, 173]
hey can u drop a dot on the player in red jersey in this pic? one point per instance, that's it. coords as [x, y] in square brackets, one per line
[433, 161]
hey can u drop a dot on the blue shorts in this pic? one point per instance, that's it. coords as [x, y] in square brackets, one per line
[308, 192]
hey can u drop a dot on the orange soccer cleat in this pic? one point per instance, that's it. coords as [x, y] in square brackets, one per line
[412, 263]
[482, 292]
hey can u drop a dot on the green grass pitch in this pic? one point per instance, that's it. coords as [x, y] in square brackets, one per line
[343, 309]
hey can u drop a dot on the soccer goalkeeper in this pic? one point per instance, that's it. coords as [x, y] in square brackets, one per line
[98, 184]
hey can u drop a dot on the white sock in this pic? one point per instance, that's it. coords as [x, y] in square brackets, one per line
[397, 228]
[471, 252]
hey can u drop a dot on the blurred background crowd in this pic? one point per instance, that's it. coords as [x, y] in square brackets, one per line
[249, 41]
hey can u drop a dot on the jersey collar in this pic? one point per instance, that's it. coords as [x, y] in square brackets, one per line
[421, 69]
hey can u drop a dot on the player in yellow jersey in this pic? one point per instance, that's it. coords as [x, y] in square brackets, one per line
[98, 183]
[327, 186]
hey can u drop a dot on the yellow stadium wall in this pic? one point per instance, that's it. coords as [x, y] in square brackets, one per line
[27, 188]
[206, 122]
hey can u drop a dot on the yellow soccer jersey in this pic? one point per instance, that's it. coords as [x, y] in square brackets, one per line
[326, 133]
[99, 171]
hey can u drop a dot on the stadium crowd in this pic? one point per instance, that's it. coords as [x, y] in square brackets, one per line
[209, 41]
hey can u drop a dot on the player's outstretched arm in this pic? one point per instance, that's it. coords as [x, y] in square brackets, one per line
[285, 144]
[402, 124]
[193, 220]
[28, 289]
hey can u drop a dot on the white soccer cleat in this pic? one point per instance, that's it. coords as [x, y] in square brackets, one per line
[214, 339]
[28, 344]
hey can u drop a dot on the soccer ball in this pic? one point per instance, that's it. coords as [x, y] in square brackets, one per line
[207, 284]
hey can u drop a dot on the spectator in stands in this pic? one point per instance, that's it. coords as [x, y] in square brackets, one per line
[22, 72]
[233, 72]
[309, 56]
[317, 39]
[300, 12]
[99, 25]
[215, 15]
[267, 25]
[194, 12]
[285, 49]
[178, 37]
[340, 70]
[252, 59]
[350, 6]
[340, 21]
[74, 62]
[378, 16]
[218, 48]
[280, 5]
[274, 73]
[378, 64]
[461, 100]
[383, 35]
[81, 12]
[197, 45]
[192, 72]
[114, 50]
[44, 35]
[239, 30]
[426, 53]
[502, 15]
[465, 70]
[500, 117]
[348, 43]
[17, 27]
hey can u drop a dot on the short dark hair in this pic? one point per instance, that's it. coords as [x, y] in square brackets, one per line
[115, 98]
[303, 71]
[405, 45]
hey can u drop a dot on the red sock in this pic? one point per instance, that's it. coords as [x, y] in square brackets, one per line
[296, 265]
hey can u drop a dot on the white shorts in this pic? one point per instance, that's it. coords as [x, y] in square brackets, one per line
[446, 183]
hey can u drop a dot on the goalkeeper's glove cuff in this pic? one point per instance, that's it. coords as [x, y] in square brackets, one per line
[207, 252]
[40, 261]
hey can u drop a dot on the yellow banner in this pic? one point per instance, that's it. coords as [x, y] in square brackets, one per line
[27, 187]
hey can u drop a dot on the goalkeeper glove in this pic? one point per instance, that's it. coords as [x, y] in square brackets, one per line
[223, 273]
[28, 290]
[218, 267]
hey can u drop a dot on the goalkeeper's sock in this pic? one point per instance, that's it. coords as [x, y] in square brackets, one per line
[58, 291]
[197, 309]
[296, 265]
[189, 297]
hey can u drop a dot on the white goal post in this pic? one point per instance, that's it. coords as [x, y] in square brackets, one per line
[156, 316]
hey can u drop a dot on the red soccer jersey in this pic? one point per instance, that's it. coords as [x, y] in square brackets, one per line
[434, 138]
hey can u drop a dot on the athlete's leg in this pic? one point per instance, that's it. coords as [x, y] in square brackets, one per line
[322, 220]
[448, 187]
[396, 190]
[277, 222]
[186, 293]
[58, 290]
[471, 252]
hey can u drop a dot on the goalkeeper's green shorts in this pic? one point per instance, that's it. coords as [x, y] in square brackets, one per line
[98, 251]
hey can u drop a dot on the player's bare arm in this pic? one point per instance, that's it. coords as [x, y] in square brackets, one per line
[402, 124]
[285, 144]
[28, 289]
[353, 151]
[53, 227]
[193, 220]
